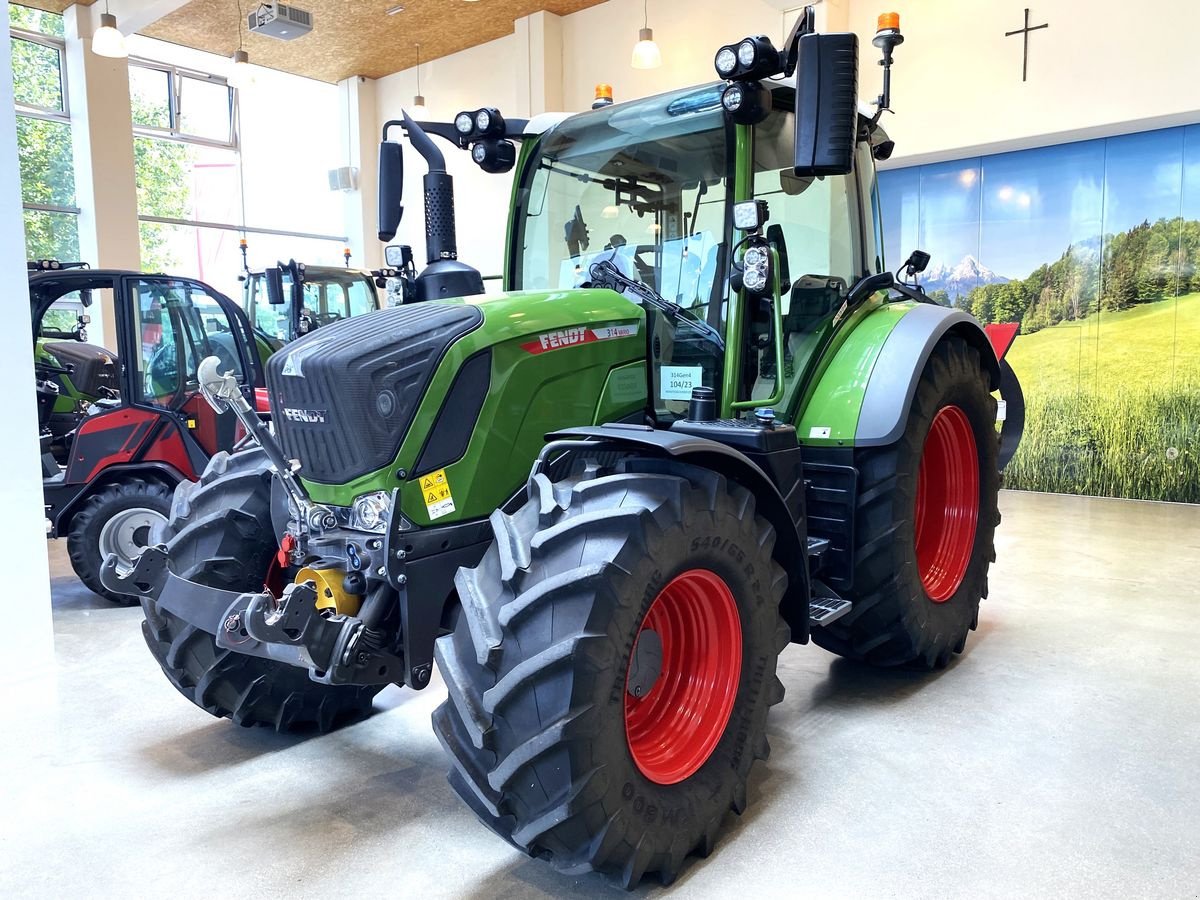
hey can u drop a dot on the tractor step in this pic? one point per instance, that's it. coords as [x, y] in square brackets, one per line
[825, 610]
[816, 548]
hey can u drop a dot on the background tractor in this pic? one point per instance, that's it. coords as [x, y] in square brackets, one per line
[108, 480]
[290, 300]
[743, 432]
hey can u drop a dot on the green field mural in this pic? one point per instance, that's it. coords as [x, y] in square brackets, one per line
[1094, 247]
[1113, 404]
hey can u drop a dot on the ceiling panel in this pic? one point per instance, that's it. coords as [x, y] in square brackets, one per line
[354, 37]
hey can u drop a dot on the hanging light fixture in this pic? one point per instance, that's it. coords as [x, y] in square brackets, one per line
[418, 98]
[646, 54]
[240, 74]
[107, 40]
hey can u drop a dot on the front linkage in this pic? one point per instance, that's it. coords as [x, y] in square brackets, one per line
[305, 626]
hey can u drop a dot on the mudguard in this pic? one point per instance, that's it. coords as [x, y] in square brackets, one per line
[863, 396]
[790, 549]
[900, 363]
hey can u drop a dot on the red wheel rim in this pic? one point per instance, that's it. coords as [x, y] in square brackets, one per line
[947, 509]
[674, 728]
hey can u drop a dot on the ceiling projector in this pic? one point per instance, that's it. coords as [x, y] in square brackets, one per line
[278, 20]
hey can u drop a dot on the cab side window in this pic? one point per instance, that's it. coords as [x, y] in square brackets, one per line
[814, 221]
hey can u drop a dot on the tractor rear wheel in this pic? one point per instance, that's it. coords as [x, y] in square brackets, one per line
[612, 666]
[925, 523]
[220, 534]
[117, 519]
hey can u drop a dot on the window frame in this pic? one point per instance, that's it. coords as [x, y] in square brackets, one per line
[60, 46]
[176, 76]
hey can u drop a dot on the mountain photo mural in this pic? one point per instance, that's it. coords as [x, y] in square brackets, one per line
[1094, 247]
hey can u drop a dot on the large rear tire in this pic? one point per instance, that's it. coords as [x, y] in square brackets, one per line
[119, 519]
[575, 733]
[925, 523]
[220, 534]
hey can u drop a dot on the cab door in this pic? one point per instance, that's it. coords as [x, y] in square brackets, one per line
[172, 324]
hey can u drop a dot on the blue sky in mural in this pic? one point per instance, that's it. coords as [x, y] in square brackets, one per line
[1015, 211]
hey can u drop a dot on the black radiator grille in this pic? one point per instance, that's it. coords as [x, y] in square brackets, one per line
[344, 397]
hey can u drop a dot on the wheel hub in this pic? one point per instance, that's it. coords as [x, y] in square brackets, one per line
[687, 663]
[127, 534]
[947, 504]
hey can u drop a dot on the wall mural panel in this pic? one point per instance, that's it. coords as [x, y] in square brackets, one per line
[1094, 247]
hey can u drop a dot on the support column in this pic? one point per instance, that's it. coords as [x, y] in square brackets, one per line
[27, 640]
[102, 135]
[540, 83]
[360, 149]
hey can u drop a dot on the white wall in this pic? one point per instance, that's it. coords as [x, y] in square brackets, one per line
[27, 638]
[1102, 67]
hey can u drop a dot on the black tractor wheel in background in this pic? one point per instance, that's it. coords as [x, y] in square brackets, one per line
[611, 670]
[925, 523]
[220, 534]
[118, 518]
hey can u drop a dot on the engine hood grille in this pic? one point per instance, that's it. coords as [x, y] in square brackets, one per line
[344, 397]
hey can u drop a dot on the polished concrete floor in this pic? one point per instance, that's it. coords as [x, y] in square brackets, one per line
[1060, 756]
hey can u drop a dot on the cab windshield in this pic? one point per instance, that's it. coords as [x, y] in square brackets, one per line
[643, 184]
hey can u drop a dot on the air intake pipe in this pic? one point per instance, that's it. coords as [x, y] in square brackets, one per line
[443, 276]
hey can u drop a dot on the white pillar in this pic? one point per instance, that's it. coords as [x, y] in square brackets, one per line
[27, 640]
[540, 85]
[360, 148]
[102, 135]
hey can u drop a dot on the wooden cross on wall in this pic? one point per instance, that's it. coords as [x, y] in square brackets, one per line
[1025, 31]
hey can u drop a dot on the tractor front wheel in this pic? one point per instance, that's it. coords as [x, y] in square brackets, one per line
[611, 670]
[925, 523]
[117, 519]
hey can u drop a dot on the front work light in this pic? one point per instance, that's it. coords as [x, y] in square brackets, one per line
[752, 58]
[756, 268]
[749, 215]
[494, 157]
[746, 102]
[464, 123]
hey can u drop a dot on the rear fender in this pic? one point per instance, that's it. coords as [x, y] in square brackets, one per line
[790, 549]
[866, 390]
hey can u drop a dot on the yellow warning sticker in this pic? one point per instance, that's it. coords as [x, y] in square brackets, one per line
[436, 489]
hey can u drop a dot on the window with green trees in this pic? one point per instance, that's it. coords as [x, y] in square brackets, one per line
[44, 134]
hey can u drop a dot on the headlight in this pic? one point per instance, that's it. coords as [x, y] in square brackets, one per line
[746, 53]
[756, 268]
[463, 123]
[483, 120]
[371, 512]
[726, 61]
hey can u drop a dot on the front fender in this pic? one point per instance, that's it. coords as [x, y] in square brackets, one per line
[864, 395]
[790, 538]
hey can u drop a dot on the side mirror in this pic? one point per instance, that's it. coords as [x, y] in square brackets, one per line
[826, 104]
[776, 239]
[916, 263]
[391, 188]
[274, 278]
[85, 297]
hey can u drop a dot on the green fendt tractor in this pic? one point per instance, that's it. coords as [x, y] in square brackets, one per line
[703, 422]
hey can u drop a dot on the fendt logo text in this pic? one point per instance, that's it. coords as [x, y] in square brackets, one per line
[310, 416]
[571, 337]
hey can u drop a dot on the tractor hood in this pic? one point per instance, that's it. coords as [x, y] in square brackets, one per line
[349, 396]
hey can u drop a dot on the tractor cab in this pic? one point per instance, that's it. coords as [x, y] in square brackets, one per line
[72, 373]
[291, 300]
[150, 429]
